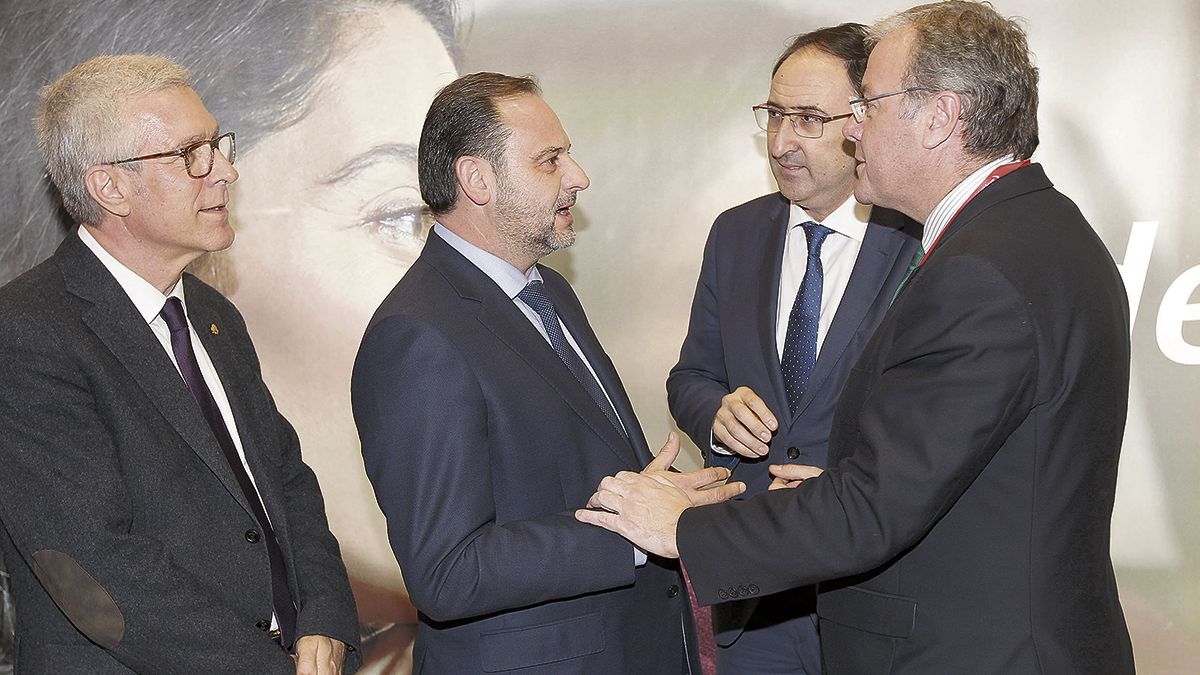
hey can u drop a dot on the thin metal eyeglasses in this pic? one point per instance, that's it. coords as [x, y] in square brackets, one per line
[805, 123]
[199, 157]
[858, 106]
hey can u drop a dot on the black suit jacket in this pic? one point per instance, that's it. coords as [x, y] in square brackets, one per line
[731, 342]
[480, 445]
[965, 513]
[126, 532]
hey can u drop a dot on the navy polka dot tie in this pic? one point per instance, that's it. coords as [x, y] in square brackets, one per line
[800, 345]
[534, 295]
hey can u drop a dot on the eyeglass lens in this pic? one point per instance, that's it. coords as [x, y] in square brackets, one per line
[200, 157]
[806, 126]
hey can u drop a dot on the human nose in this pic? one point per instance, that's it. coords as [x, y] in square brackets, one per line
[783, 140]
[852, 129]
[223, 170]
[575, 178]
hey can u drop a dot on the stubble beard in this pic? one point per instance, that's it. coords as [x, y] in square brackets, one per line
[527, 227]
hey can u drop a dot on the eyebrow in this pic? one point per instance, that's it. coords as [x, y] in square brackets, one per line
[386, 152]
[553, 150]
[196, 138]
[797, 108]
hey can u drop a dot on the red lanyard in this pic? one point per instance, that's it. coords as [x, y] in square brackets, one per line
[1000, 172]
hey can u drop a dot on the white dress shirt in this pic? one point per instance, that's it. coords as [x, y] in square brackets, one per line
[839, 252]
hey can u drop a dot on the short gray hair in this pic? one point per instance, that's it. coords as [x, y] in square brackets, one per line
[968, 48]
[82, 123]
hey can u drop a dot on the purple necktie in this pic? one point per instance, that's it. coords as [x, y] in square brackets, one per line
[800, 344]
[181, 344]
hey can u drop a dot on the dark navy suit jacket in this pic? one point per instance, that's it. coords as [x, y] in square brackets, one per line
[480, 445]
[731, 341]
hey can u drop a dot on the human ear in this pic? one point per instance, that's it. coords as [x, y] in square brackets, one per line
[943, 109]
[475, 178]
[110, 187]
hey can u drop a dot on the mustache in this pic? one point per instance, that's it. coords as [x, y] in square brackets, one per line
[565, 202]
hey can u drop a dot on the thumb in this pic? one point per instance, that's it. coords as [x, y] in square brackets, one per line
[666, 457]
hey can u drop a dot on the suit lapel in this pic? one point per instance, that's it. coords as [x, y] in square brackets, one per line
[116, 322]
[1019, 182]
[877, 257]
[237, 386]
[767, 302]
[577, 323]
[497, 313]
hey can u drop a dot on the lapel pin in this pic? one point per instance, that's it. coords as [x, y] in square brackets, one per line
[212, 328]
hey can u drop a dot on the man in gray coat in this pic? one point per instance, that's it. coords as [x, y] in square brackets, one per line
[157, 514]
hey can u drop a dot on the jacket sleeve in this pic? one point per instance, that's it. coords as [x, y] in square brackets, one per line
[958, 378]
[698, 381]
[325, 602]
[423, 420]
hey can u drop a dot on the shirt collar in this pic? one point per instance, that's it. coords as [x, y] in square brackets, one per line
[850, 219]
[146, 298]
[508, 278]
[944, 212]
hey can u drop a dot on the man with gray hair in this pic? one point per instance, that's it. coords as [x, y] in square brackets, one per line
[963, 522]
[157, 514]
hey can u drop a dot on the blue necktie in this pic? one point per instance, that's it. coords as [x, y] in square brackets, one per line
[185, 356]
[800, 344]
[534, 295]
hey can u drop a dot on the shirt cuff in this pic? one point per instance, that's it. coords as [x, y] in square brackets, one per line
[716, 445]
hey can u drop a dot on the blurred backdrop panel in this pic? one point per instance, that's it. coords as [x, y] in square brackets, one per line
[327, 100]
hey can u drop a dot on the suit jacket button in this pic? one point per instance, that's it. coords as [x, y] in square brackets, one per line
[753, 589]
[252, 536]
[731, 591]
[263, 625]
[793, 453]
[672, 591]
[722, 594]
[743, 591]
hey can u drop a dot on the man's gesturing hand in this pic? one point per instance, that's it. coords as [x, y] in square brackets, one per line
[744, 423]
[645, 507]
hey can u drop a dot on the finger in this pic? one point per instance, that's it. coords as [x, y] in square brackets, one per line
[593, 502]
[794, 472]
[724, 435]
[753, 441]
[760, 408]
[324, 662]
[666, 457]
[751, 421]
[717, 494]
[306, 656]
[778, 484]
[606, 500]
[700, 477]
[608, 521]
